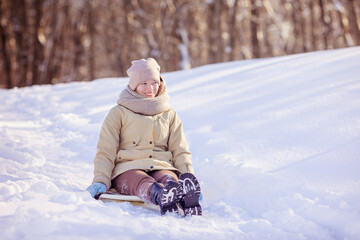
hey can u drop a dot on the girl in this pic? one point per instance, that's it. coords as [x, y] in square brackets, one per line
[142, 148]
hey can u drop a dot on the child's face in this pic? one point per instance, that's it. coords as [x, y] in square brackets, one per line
[148, 88]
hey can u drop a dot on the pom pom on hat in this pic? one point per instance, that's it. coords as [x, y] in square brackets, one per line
[142, 70]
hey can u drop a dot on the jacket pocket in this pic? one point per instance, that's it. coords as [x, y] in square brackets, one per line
[130, 143]
[128, 155]
[163, 156]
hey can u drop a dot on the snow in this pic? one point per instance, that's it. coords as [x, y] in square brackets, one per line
[275, 143]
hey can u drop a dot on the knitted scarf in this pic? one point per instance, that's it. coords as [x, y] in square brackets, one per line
[143, 105]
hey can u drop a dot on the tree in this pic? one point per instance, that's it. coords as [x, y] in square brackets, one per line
[50, 41]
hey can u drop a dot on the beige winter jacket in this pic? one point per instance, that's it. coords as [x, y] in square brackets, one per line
[133, 141]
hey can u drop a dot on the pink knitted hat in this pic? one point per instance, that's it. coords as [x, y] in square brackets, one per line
[142, 70]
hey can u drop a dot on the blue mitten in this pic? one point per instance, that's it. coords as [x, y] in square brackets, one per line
[95, 188]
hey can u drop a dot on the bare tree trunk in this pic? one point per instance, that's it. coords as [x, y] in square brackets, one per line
[326, 26]
[213, 21]
[24, 51]
[183, 44]
[79, 49]
[302, 27]
[337, 31]
[56, 48]
[296, 15]
[313, 12]
[243, 30]
[219, 9]
[126, 46]
[354, 21]
[232, 31]
[15, 7]
[178, 56]
[121, 43]
[268, 20]
[5, 55]
[254, 24]
[350, 22]
[146, 25]
[37, 46]
[44, 67]
[92, 33]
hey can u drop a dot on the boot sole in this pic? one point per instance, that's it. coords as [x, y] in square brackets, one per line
[168, 198]
[188, 194]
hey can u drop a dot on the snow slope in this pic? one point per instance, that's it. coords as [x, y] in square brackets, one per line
[275, 143]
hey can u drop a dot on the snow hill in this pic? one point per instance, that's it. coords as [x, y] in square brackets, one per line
[275, 143]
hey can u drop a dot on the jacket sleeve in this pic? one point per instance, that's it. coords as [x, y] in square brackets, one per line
[107, 148]
[178, 146]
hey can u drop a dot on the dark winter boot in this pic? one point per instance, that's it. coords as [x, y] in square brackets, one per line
[155, 193]
[165, 196]
[188, 194]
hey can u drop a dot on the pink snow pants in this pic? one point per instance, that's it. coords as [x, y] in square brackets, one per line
[138, 182]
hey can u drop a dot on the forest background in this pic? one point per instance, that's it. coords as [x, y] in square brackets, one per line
[53, 41]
